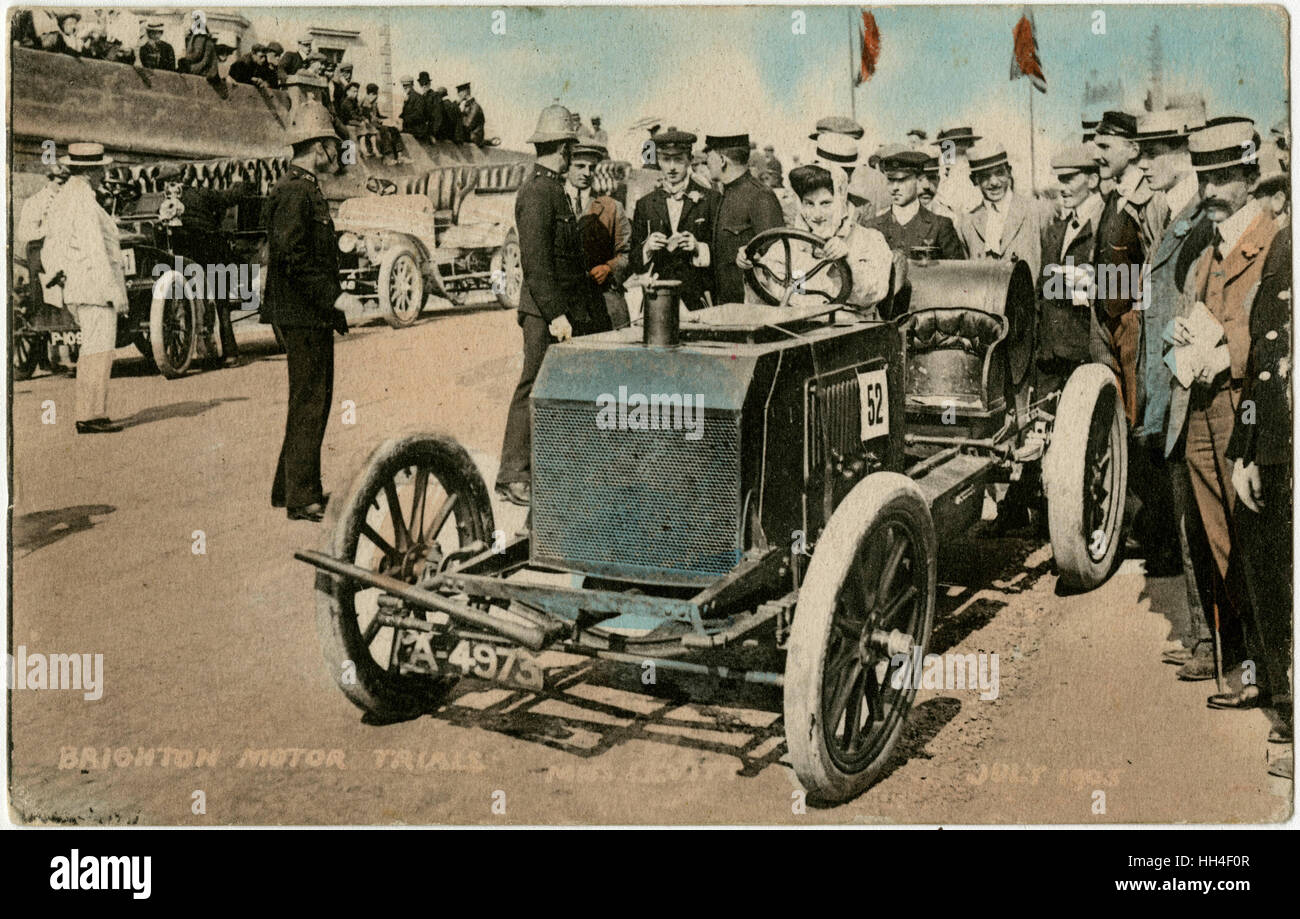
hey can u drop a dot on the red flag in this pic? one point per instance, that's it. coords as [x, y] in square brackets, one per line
[869, 39]
[1024, 54]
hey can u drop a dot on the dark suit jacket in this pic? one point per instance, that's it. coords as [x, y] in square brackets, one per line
[699, 215]
[453, 124]
[473, 119]
[415, 116]
[302, 280]
[1266, 439]
[925, 229]
[434, 116]
[158, 56]
[748, 207]
[556, 282]
[1063, 328]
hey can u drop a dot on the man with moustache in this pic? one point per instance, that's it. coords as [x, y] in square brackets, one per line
[559, 299]
[929, 184]
[1218, 290]
[907, 225]
[672, 226]
[748, 207]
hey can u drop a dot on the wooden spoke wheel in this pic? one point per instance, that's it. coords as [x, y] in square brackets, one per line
[861, 626]
[401, 287]
[418, 499]
[174, 317]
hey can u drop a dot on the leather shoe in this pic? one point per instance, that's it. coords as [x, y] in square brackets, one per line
[98, 426]
[1246, 697]
[314, 512]
[279, 502]
[1201, 664]
[520, 493]
[1179, 655]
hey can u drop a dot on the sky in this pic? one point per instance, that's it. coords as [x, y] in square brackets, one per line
[726, 70]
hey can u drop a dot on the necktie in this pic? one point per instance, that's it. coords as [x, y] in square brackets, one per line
[1217, 254]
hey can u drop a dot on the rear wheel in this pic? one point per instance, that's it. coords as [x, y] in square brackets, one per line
[174, 316]
[1085, 473]
[401, 287]
[418, 498]
[28, 349]
[865, 610]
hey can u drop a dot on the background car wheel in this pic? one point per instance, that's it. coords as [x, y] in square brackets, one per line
[1085, 474]
[401, 287]
[506, 260]
[418, 496]
[28, 350]
[173, 322]
[867, 597]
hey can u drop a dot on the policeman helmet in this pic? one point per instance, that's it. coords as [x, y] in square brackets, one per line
[555, 123]
[309, 121]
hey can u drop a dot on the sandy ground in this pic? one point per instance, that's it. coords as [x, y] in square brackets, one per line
[211, 658]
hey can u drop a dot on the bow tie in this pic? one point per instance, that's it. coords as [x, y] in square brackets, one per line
[676, 193]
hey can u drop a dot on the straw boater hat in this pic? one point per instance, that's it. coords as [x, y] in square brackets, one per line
[957, 135]
[838, 124]
[1223, 143]
[85, 154]
[1170, 124]
[837, 149]
[986, 156]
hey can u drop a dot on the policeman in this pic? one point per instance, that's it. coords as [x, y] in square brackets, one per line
[748, 208]
[908, 225]
[302, 284]
[155, 53]
[559, 299]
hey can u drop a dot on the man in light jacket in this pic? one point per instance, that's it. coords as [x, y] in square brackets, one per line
[83, 254]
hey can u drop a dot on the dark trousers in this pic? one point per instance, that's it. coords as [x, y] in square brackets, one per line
[1195, 550]
[1154, 525]
[1266, 549]
[311, 392]
[517, 448]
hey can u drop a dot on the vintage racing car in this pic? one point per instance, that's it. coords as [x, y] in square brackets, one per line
[774, 472]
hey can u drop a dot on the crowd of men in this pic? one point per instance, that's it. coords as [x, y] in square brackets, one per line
[1186, 208]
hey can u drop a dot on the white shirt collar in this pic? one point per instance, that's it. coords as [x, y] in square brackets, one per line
[1001, 207]
[1232, 229]
[903, 215]
[1090, 208]
[1129, 181]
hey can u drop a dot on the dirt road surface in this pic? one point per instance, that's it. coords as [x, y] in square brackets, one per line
[217, 707]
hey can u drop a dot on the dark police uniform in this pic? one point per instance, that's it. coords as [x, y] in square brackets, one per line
[698, 217]
[748, 207]
[1265, 440]
[925, 229]
[302, 284]
[473, 119]
[556, 283]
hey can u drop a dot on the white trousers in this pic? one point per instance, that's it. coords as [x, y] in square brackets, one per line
[95, 361]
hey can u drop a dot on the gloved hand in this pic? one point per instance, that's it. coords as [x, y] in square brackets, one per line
[339, 321]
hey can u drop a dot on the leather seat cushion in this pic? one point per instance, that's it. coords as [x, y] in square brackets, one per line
[972, 331]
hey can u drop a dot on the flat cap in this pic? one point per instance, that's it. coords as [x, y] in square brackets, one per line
[673, 139]
[276, 47]
[257, 49]
[931, 166]
[1229, 143]
[985, 156]
[1118, 124]
[1075, 158]
[897, 156]
[838, 124]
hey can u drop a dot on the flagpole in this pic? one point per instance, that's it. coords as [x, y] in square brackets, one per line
[1033, 165]
[853, 98]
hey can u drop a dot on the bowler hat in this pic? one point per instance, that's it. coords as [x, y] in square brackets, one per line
[85, 154]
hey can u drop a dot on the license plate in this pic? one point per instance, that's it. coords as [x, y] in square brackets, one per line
[128, 262]
[873, 392]
[66, 338]
[419, 653]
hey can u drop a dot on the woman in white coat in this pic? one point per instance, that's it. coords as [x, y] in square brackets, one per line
[82, 245]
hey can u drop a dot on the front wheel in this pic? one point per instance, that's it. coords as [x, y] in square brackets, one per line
[1085, 473]
[174, 317]
[417, 499]
[401, 287]
[28, 350]
[861, 626]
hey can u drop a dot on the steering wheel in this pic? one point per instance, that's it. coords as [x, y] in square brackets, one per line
[776, 285]
[381, 186]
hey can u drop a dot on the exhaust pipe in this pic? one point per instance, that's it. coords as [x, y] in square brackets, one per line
[660, 326]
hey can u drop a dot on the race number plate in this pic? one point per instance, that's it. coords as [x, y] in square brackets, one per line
[873, 392]
[128, 262]
[66, 338]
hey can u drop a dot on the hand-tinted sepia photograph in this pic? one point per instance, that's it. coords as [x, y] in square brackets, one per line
[679, 415]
